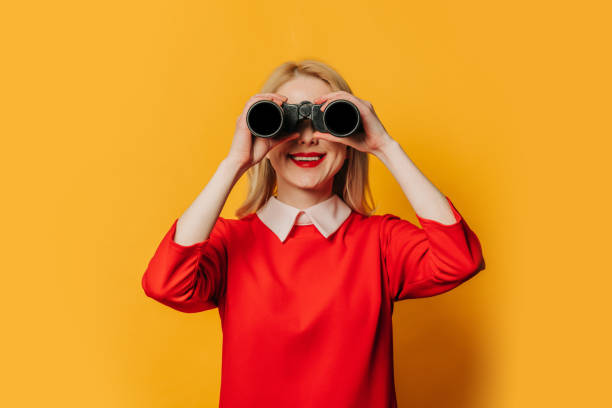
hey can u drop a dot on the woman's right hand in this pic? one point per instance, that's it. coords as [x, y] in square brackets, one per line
[248, 150]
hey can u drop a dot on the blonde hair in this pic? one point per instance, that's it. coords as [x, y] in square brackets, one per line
[350, 183]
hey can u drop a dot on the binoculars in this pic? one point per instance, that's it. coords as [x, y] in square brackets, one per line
[341, 118]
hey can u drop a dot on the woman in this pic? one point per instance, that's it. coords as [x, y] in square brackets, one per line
[306, 277]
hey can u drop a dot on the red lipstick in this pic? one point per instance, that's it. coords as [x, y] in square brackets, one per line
[312, 159]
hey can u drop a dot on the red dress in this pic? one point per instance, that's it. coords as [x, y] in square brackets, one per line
[307, 321]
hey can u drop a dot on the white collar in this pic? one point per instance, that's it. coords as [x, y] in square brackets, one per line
[327, 216]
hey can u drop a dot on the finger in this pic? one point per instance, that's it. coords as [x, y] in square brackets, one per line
[279, 99]
[328, 136]
[276, 98]
[266, 94]
[349, 141]
[327, 98]
[283, 97]
[323, 98]
[276, 142]
[341, 95]
[362, 106]
[319, 135]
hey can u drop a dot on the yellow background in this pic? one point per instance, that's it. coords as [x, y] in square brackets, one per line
[114, 115]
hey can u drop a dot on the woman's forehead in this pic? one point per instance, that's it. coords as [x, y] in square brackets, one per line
[303, 88]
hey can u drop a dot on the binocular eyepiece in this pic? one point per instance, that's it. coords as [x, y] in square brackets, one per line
[341, 118]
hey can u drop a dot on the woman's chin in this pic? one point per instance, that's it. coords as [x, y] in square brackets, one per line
[306, 183]
[306, 179]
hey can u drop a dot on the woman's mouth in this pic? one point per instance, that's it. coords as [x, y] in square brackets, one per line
[307, 159]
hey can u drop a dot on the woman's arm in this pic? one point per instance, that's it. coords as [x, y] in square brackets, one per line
[198, 220]
[418, 262]
[426, 200]
[187, 271]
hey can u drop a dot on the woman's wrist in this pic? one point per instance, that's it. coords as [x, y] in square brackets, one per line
[386, 149]
[234, 166]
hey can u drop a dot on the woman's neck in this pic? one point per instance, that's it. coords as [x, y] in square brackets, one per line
[303, 198]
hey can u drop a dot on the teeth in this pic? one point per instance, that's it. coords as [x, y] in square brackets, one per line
[306, 158]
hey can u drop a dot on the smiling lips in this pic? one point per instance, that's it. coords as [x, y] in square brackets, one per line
[307, 159]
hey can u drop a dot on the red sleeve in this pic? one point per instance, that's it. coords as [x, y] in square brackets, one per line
[429, 261]
[188, 278]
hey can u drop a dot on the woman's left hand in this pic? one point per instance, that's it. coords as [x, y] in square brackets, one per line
[371, 139]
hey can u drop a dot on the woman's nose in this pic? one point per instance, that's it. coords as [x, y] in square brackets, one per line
[306, 132]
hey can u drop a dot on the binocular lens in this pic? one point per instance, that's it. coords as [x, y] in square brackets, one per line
[265, 118]
[341, 118]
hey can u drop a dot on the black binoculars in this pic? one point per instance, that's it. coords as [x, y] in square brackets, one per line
[341, 118]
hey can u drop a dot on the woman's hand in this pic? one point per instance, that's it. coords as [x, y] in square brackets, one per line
[248, 150]
[371, 139]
